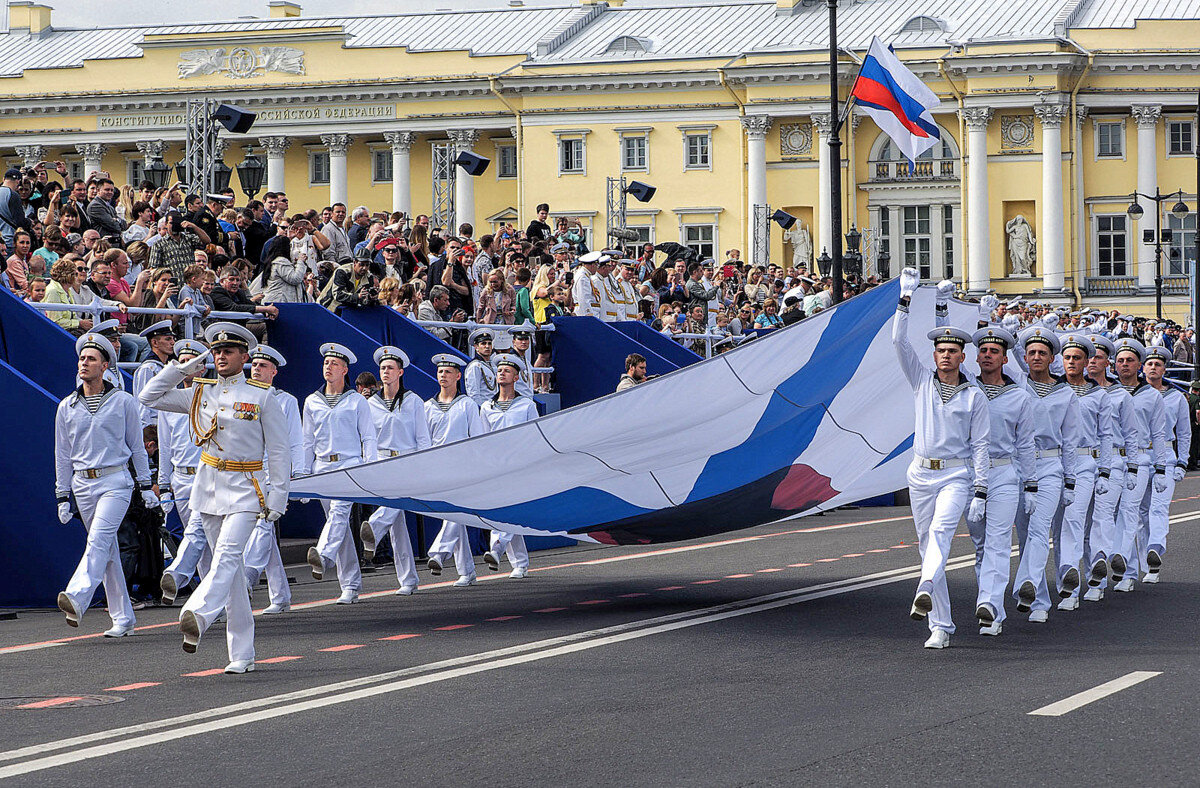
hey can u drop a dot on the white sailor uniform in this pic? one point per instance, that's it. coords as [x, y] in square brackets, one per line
[585, 294]
[479, 380]
[141, 376]
[1155, 522]
[178, 464]
[1153, 456]
[1102, 536]
[450, 422]
[499, 415]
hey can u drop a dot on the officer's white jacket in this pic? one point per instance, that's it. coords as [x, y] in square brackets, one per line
[460, 422]
[1096, 424]
[521, 410]
[345, 430]
[629, 301]
[249, 427]
[585, 294]
[479, 380]
[402, 429]
[1056, 423]
[141, 376]
[83, 441]
[1179, 423]
[957, 429]
[1150, 424]
[176, 449]
[291, 413]
[610, 297]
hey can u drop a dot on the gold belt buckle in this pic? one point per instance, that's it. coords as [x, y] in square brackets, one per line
[221, 465]
[92, 473]
[393, 453]
[334, 457]
[935, 465]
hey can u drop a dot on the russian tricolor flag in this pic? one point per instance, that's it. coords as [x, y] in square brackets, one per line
[897, 101]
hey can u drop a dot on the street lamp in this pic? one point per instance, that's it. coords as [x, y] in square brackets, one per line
[823, 262]
[1179, 210]
[852, 258]
[250, 174]
[220, 175]
[157, 172]
[181, 172]
[883, 265]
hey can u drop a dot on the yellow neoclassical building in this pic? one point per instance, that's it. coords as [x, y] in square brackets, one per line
[1053, 112]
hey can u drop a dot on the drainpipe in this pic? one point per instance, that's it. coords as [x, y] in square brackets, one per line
[742, 136]
[962, 163]
[492, 86]
[1077, 237]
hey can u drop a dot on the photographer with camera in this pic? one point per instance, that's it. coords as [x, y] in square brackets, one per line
[352, 284]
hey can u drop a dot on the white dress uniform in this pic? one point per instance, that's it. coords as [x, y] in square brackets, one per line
[1102, 532]
[91, 456]
[237, 423]
[403, 428]
[149, 368]
[499, 415]
[337, 435]
[108, 330]
[1152, 535]
[608, 296]
[584, 290]
[950, 448]
[629, 301]
[456, 421]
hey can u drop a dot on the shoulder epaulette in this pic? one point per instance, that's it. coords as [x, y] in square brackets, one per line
[258, 383]
[210, 381]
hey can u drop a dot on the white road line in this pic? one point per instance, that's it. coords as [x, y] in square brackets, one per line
[1081, 699]
[109, 742]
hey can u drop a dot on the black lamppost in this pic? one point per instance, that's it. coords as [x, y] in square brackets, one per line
[181, 172]
[221, 174]
[1179, 210]
[823, 262]
[250, 174]
[157, 172]
[835, 157]
[853, 257]
[883, 265]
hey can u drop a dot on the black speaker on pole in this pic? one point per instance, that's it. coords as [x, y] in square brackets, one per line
[473, 163]
[235, 120]
[783, 219]
[642, 192]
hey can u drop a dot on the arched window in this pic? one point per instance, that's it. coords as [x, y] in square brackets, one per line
[628, 45]
[887, 163]
[923, 24]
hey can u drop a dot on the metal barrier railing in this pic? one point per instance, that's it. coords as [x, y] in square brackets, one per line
[97, 309]
[471, 325]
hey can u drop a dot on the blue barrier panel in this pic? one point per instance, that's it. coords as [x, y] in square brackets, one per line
[589, 358]
[387, 326]
[37, 553]
[663, 346]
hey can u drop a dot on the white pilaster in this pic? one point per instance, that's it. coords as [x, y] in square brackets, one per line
[979, 239]
[401, 142]
[823, 126]
[276, 148]
[31, 154]
[1050, 237]
[92, 153]
[1146, 117]
[464, 184]
[338, 144]
[756, 127]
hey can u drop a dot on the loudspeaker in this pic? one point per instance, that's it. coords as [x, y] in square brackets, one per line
[783, 219]
[472, 163]
[237, 121]
[642, 192]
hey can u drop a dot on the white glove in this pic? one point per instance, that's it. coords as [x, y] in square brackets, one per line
[168, 504]
[64, 512]
[150, 499]
[273, 515]
[945, 289]
[196, 365]
[1050, 321]
[1179, 472]
[1068, 496]
[910, 278]
[1030, 502]
[987, 305]
[976, 509]
[1011, 323]
[1130, 478]
[1101, 486]
[1160, 482]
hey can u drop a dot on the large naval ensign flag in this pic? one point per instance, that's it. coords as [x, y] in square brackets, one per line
[807, 418]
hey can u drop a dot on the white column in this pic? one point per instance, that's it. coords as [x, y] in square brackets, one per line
[31, 154]
[337, 144]
[401, 142]
[1081, 266]
[151, 150]
[979, 239]
[464, 184]
[756, 127]
[92, 153]
[276, 148]
[1050, 240]
[823, 127]
[1146, 118]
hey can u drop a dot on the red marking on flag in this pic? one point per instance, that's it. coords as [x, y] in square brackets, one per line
[798, 566]
[770, 570]
[593, 602]
[549, 610]
[347, 647]
[734, 577]
[633, 595]
[135, 686]
[452, 627]
[401, 637]
[276, 660]
[48, 703]
[503, 618]
[669, 588]
[211, 672]
[704, 582]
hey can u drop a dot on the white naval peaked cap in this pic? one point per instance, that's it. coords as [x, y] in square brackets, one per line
[190, 347]
[161, 327]
[1101, 342]
[1128, 343]
[221, 334]
[1081, 341]
[1157, 352]
[96, 342]
[949, 334]
[393, 353]
[524, 328]
[338, 351]
[106, 325]
[593, 257]
[265, 352]
[512, 360]
[481, 334]
[448, 360]
[994, 335]
[1040, 334]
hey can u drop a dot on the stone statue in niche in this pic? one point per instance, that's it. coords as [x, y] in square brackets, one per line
[1022, 246]
[801, 242]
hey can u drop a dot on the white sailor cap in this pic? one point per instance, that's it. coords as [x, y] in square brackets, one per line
[993, 335]
[950, 334]
[1132, 345]
[1013, 304]
[224, 334]
[561, 246]
[481, 335]
[1101, 342]
[1160, 325]
[190, 347]
[448, 360]
[106, 326]
[266, 353]
[1126, 318]
[96, 342]
[1040, 335]
[225, 198]
[593, 258]
[1080, 341]
[525, 329]
[1157, 352]
[338, 351]
[510, 359]
[391, 353]
[161, 328]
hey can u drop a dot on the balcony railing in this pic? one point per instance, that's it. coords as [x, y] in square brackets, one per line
[1173, 285]
[924, 170]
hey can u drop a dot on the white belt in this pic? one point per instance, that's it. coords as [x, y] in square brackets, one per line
[390, 453]
[999, 461]
[1084, 451]
[941, 465]
[96, 473]
[186, 470]
[1041, 453]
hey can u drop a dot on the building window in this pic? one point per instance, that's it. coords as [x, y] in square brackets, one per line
[381, 166]
[923, 24]
[634, 153]
[697, 151]
[1112, 254]
[318, 168]
[1110, 139]
[506, 161]
[629, 45]
[1182, 251]
[75, 170]
[1181, 138]
[645, 235]
[948, 240]
[571, 156]
[885, 231]
[917, 239]
[136, 169]
[701, 238]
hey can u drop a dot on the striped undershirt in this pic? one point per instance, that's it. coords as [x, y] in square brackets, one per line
[93, 402]
[331, 399]
[1041, 389]
[444, 406]
[993, 390]
[945, 390]
[503, 404]
[1130, 389]
[1081, 388]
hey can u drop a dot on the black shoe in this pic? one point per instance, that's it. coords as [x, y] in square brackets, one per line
[1070, 582]
[1026, 595]
[1117, 563]
[1153, 561]
[922, 602]
[985, 615]
[1099, 572]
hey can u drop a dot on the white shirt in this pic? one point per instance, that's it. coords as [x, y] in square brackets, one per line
[520, 410]
[459, 422]
[403, 429]
[108, 438]
[345, 430]
[1096, 424]
[1056, 424]
[1179, 423]
[629, 301]
[479, 380]
[1124, 431]
[141, 376]
[1150, 426]
[295, 428]
[585, 294]
[1010, 433]
[176, 449]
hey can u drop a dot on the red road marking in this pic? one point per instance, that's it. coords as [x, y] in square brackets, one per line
[704, 582]
[773, 569]
[211, 672]
[853, 555]
[347, 647]
[503, 618]
[827, 560]
[452, 627]
[549, 610]
[798, 566]
[137, 686]
[593, 602]
[401, 637]
[48, 703]
[735, 577]
[669, 588]
[275, 660]
[897, 546]
[633, 595]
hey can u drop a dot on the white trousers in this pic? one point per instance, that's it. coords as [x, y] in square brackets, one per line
[1070, 521]
[1033, 533]
[224, 588]
[336, 544]
[1129, 517]
[1157, 524]
[1102, 527]
[993, 538]
[102, 505]
[513, 546]
[393, 523]
[262, 555]
[193, 552]
[938, 500]
[452, 540]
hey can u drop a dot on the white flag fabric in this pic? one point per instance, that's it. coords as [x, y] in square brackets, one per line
[899, 103]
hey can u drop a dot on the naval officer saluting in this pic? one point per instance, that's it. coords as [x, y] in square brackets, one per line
[237, 422]
[97, 430]
[950, 457]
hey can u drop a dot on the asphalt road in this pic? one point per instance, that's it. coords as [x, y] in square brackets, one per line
[781, 655]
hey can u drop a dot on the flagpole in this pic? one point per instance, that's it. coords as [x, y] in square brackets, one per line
[835, 159]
